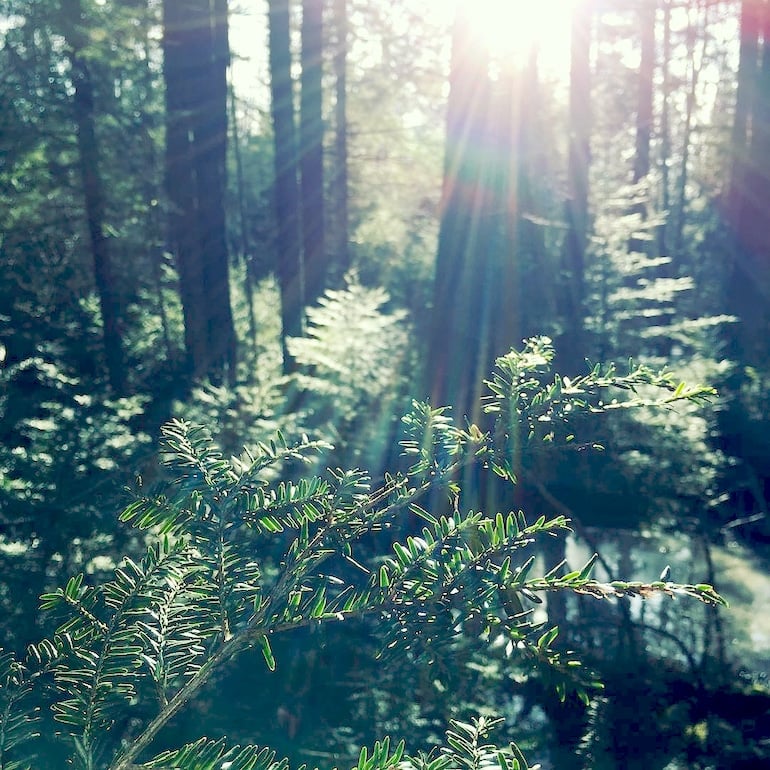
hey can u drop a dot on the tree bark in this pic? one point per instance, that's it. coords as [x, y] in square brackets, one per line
[695, 65]
[747, 209]
[572, 346]
[181, 75]
[747, 74]
[311, 150]
[665, 128]
[644, 110]
[94, 199]
[759, 140]
[750, 193]
[644, 104]
[196, 57]
[245, 240]
[460, 337]
[287, 208]
[151, 191]
[340, 180]
[210, 153]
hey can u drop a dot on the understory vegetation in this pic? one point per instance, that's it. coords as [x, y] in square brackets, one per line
[242, 551]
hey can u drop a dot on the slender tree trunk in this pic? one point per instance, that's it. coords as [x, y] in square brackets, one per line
[150, 187]
[289, 255]
[311, 150]
[340, 181]
[94, 200]
[245, 240]
[746, 97]
[644, 109]
[572, 346]
[535, 299]
[695, 66]
[644, 104]
[759, 139]
[665, 127]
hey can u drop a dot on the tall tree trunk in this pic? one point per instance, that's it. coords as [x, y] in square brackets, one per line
[287, 209]
[665, 127]
[644, 109]
[459, 351]
[477, 310]
[181, 71]
[245, 240]
[747, 78]
[747, 290]
[747, 96]
[644, 103]
[750, 284]
[340, 180]
[534, 297]
[695, 65]
[150, 186]
[210, 154]
[759, 140]
[479, 307]
[311, 150]
[195, 69]
[572, 348]
[94, 200]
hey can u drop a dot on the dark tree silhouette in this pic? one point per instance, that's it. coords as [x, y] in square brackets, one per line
[196, 57]
[311, 150]
[475, 313]
[341, 253]
[287, 204]
[83, 109]
[572, 345]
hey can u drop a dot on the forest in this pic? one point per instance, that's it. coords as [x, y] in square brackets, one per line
[384, 385]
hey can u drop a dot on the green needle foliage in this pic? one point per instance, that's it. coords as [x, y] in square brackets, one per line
[130, 653]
